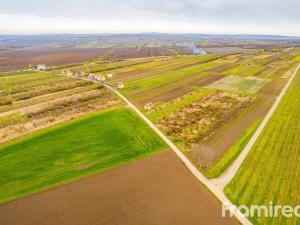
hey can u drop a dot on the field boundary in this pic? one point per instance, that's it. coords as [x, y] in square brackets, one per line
[205, 181]
[222, 181]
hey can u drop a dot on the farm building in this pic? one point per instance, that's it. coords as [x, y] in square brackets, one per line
[41, 67]
[109, 75]
[90, 76]
[69, 72]
[149, 106]
[120, 85]
[100, 78]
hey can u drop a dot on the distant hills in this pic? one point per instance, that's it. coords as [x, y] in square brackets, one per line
[79, 40]
[154, 35]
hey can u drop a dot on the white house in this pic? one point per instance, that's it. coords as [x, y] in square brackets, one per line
[109, 75]
[69, 72]
[41, 67]
[100, 78]
[91, 76]
[149, 106]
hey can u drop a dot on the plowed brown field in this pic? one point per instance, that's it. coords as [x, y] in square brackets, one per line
[155, 190]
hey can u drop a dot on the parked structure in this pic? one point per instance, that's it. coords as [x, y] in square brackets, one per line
[69, 72]
[100, 78]
[149, 106]
[95, 77]
[120, 85]
[41, 67]
[91, 76]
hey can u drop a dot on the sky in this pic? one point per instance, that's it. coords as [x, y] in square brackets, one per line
[280, 17]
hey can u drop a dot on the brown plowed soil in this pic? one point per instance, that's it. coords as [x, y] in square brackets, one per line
[155, 190]
[20, 59]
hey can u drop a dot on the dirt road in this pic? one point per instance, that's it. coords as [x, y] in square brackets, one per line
[214, 147]
[216, 191]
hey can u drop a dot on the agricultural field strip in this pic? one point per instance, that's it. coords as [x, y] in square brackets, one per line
[157, 67]
[30, 78]
[229, 174]
[149, 79]
[253, 66]
[76, 157]
[239, 84]
[35, 83]
[217, 192]
[171, 85]
[49, 101]
[164, 78]
[275, 153]
[120, 66]
[29, 92]
[149, 64]
[164, 108]
[46, 97]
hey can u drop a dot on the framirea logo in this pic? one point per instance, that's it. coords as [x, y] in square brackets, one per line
[270, 210]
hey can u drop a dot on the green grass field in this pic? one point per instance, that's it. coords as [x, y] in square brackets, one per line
[271, 171]
[72, 150]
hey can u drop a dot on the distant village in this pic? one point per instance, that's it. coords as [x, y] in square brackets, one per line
[91, 76]
[83, 75]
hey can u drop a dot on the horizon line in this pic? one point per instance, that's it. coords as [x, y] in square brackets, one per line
[154, 33]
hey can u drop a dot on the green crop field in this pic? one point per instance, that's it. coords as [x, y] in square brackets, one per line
[34, 100]
[33, 84]
[271, 171]
[72, 150]
[165, 78]
[171, 75]
[239, 84]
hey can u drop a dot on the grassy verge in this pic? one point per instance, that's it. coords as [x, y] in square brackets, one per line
[220, 166]
[72, 150]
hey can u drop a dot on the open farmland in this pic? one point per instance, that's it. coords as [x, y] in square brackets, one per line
[193, 117]
[166, 78]
[155, 190]
[167, 86]
[72, 150]
[20, 59]
[34, 100]
[239, 84]
[270, 172]
[227, 141]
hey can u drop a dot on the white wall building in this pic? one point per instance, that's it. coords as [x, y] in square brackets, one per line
[41, 67]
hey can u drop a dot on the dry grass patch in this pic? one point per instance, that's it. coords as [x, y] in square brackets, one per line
[195, 122]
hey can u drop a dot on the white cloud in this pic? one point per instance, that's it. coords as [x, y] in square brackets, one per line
[177, 16]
